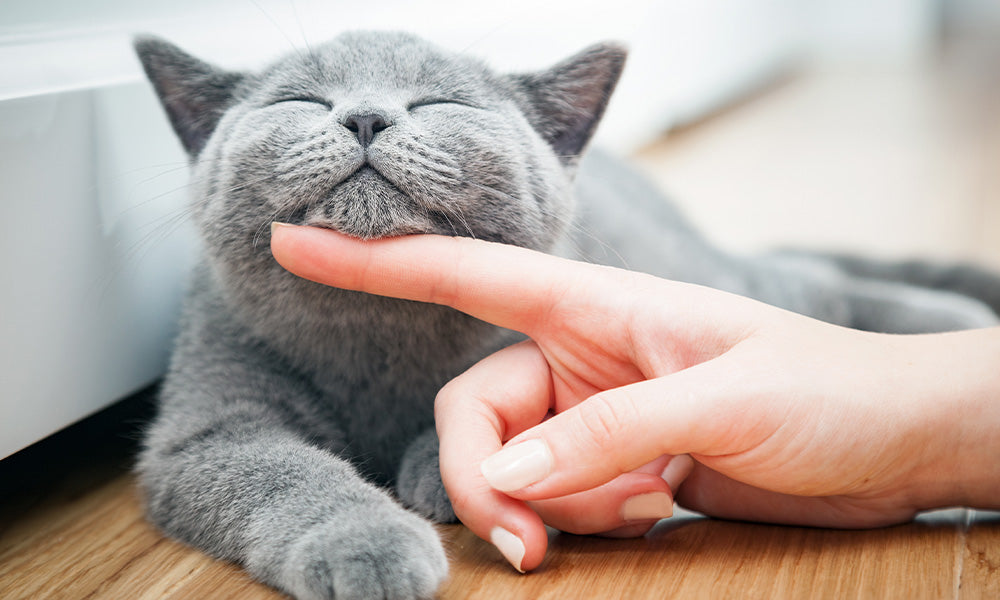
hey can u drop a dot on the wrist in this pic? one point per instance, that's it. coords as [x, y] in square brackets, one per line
[958, 419]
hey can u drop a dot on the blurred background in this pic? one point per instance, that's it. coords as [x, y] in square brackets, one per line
[869, 126]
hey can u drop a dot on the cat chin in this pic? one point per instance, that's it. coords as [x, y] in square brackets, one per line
[366, 205]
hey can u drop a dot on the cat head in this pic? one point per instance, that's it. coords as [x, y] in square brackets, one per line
[377, 134]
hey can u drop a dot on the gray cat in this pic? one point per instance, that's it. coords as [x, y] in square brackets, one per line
[292, 411]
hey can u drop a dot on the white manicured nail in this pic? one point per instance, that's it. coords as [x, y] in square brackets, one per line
[518, 466]
[509, 545]
[645, 507]
[677, 471]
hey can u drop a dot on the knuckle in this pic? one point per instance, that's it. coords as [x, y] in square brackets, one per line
[454, 398]
[462, 501]
[445, 398]
[470, 499]
[603, 418]
[445, 286]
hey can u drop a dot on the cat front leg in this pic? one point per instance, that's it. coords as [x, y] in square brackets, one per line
[297, 517]
[418, 483]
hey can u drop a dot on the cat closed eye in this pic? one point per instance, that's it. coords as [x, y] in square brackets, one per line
[307, 99]
[438, 102]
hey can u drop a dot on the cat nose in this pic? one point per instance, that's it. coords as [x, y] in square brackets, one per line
[365, 126]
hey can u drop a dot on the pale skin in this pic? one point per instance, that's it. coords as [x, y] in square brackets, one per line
[633, 391]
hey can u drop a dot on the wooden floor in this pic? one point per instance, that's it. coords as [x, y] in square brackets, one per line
[71, 527]
[70, 520]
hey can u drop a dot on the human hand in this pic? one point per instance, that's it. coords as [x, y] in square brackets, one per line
[787, 419]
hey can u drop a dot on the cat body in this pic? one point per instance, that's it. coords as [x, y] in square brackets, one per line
[296, 420]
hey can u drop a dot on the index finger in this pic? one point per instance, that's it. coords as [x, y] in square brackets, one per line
[505, 285]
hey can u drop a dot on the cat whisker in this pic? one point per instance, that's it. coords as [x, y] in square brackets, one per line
[454, 230]
[446, 168]
[265, 225]
[244, 185]
[271, 19]
[445, 211]
[162, 228]
[125, 211]
[588, 233]
[174, 166]
[498, 193]
[302, 31]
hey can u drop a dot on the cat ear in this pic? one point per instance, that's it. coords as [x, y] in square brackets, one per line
[194, 93]
[565, 103]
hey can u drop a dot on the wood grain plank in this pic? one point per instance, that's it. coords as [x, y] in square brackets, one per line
[980, 577]
[54, 552]
[702, 558]
[99, 546]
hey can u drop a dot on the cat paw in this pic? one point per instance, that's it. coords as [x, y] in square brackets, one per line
[419, 484]
[388, 553]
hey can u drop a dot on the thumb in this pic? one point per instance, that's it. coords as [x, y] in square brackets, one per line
[619, 430]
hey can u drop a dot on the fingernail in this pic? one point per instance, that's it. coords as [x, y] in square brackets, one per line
[509, 545]
[677, 471]
[517, 466]
[645, 507]
[277, 224]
